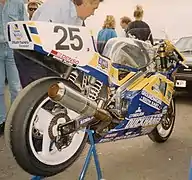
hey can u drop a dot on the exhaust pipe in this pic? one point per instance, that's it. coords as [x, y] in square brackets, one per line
[71, 99]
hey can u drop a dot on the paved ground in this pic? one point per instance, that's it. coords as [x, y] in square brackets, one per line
[135, 159]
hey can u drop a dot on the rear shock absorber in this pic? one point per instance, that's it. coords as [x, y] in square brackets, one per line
[95, 90]
[162, 56]
[85, 81]
[73, 76]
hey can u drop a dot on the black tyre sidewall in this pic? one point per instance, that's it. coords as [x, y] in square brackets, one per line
[156, 137]
[19, 119]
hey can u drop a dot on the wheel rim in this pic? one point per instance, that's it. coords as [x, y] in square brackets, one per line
[53, 156]
[165, 127]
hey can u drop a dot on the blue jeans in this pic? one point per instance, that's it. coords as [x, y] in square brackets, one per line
[8, 70]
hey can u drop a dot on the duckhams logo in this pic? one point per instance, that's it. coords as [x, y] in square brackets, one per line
[144, 121]
[16, 32]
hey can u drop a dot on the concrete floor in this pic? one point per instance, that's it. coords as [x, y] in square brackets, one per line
[134, 159]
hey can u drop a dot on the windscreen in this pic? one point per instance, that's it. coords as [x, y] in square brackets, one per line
[135, 56]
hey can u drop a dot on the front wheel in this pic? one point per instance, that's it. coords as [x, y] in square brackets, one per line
[31, 131]
[163, 130]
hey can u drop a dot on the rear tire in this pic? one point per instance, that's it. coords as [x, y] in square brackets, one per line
[156, 135]
[17, 129]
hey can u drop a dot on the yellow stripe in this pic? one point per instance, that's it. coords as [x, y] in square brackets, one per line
[36, 39]
[126, 78]
[91, 32]
[94, 60]
[147, 84]
[30, 23]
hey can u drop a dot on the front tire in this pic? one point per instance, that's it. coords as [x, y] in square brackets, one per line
[162, 132]
[18, 130]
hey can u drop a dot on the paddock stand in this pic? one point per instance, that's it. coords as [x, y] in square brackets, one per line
[92, 151]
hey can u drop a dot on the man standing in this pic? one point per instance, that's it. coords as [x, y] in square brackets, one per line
[71, 12]
[10, 10]
[124, 21]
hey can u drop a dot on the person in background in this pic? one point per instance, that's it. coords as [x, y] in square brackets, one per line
[106, 33]
[124, 21]
[10, 10]
[27, 74]
[139, 28]
[31, 8]
[71, 12]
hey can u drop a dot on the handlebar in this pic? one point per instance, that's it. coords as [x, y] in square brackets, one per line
[183, 64]
[179, 61]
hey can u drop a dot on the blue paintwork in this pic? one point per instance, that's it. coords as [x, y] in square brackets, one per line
[125, 130]
[101, 76]
[33, 30]
[40, 49]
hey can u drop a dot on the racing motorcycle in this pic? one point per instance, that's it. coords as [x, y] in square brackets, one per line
[126, 92]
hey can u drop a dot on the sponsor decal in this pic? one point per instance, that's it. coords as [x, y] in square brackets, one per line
[126, 136]
[18, 38]
[22, 44]
[150, 100]
[110, 135]
[106, 140]
[102, 63]
[82, 121]
[16, 32]
[144, 121]
[64, 58]
[137, 113]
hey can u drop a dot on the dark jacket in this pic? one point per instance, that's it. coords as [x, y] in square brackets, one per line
[140, 30]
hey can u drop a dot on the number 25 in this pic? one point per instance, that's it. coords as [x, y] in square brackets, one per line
[60, 46]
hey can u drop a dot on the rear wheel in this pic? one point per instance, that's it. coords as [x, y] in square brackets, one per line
[31, 131]
[163, 131]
